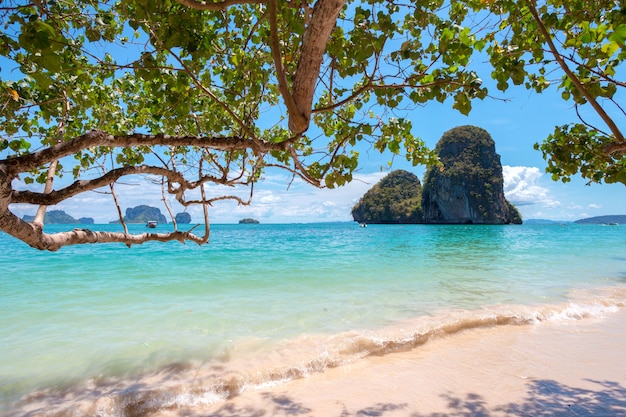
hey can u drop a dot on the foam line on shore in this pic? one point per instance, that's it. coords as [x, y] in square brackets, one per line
[185, 385]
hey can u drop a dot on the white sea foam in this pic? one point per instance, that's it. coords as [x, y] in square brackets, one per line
[213, 382]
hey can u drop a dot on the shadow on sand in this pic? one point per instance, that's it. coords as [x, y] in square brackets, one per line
[545, 398]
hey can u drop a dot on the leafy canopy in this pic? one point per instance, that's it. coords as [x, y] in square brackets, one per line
[579, 46]
[215, 93]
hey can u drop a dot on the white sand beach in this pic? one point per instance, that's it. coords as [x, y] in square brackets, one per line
[572, 368]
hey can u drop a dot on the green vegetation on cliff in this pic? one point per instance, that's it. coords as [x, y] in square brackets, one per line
[395, 199]
[468, 187]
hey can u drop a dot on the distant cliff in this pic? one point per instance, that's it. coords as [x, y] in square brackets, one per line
[468, 188]
[248, 221]
[395, 199]
[60, 217]
[144, 214]
[183, 218]
[611, 219]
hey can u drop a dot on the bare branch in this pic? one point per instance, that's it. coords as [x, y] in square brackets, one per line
[34, 236]
[41, 211]
[167, 206]
[119, 209]
[78, 187]
[81, 186]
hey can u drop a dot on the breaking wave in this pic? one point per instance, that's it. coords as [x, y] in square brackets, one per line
[183, 385]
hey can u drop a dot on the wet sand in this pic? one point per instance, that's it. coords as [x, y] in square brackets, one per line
[575, 368]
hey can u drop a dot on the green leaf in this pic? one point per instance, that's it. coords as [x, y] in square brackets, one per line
[462, 103]
[52, 62]
[610, 48]
[93, 35]
[619, 35]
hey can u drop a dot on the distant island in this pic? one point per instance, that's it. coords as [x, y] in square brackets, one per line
[545, 221]
[608, 219]
[396, 199]
[144, 214]
[59, 217]
[248, 221]
[611, 219]
[138, 214]
[183, 218]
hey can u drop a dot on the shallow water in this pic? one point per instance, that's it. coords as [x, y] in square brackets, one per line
[265, 303]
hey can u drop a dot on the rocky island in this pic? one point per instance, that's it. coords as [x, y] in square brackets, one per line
[397, 198]
[143, 214]
[60, 217]
[466, 188]
[183, 218]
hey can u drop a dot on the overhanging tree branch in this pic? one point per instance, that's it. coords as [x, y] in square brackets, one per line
[95, 138]
[316, 35]
[295, 117]
[619, 137]
[56, 196]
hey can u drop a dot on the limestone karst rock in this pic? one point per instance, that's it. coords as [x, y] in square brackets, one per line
[394, 199]
[143, 214]
[183, 218]
[468, 188]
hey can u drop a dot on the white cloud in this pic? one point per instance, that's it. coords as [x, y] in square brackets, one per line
[279, 200]
[269, 199]
[521, 187]
[595, 206]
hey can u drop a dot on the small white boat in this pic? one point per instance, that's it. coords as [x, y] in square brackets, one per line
[151, 224]
[363, 224]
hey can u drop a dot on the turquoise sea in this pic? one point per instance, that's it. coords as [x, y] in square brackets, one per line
[108, 330]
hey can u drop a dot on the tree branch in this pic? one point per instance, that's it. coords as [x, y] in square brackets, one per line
[95, 138]
[281, 76]
[573, 78]
[618, 148]
[315, 39]
[32, 234]
[41, 211]
[56, 196]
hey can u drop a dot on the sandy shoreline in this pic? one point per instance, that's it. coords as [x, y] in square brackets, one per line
[575, 368]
